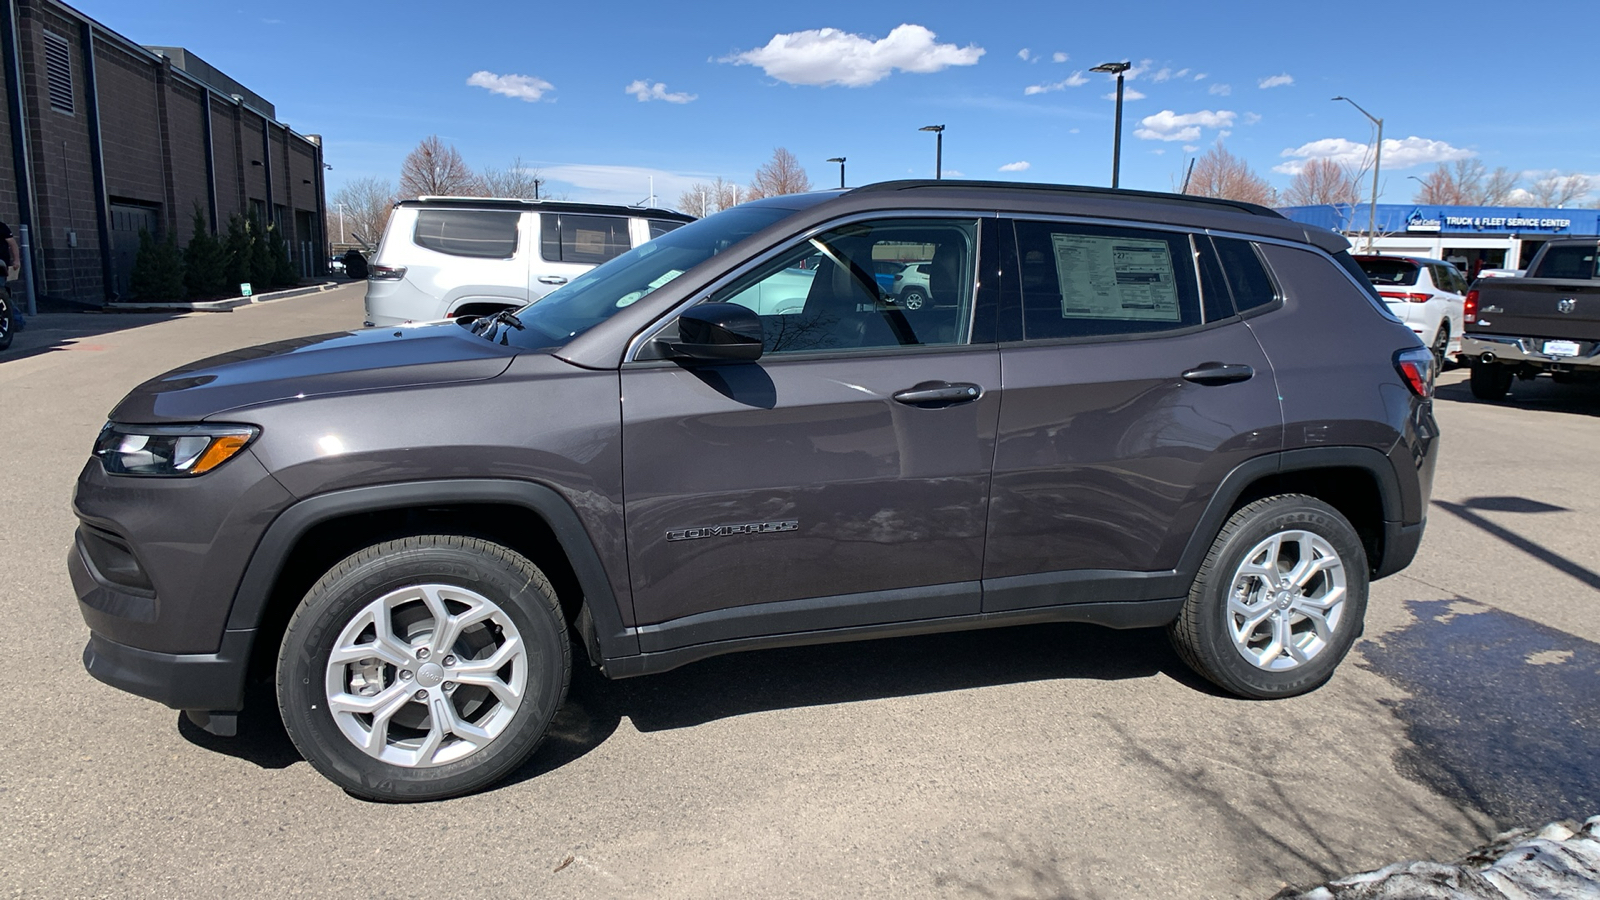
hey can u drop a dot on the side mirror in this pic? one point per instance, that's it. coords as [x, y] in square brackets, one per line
[717, 332]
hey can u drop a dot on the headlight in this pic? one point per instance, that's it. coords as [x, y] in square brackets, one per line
[173, 450]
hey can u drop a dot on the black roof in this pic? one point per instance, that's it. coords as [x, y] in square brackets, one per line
[546, 206]
[1071, 190]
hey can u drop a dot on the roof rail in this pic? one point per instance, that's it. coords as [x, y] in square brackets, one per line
[1070, 190]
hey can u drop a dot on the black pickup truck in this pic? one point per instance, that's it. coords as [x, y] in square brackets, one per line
[1546, 322]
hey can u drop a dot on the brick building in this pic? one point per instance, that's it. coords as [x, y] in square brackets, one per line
[122, 137]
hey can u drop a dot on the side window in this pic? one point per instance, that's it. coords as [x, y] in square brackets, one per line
[1214, 293]
[1247, 274]
[1097, 281]
[479, 233]
[577, 238]
[828, 292]
[658, 227]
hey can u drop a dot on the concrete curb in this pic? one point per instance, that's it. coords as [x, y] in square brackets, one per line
[228, 305]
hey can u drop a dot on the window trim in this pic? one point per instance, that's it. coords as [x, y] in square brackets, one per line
[643, 338]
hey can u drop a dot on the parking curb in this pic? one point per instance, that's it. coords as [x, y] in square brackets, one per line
[227, 305]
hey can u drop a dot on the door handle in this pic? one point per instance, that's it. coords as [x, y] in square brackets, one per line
[1219, 373]
[552, 279]
[938, 392]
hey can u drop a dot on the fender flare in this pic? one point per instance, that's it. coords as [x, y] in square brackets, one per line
[255, 589]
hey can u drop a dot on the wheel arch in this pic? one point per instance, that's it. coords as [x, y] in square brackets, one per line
[1360, 482]
[313, 535]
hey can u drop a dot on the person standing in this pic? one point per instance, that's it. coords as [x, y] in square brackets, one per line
[11, 256]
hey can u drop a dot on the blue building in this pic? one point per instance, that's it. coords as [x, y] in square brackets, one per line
[1472, 237]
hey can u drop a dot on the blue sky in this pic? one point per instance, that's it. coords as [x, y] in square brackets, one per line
[716, 86]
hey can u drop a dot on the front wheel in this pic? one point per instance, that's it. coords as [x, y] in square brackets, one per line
[423, 668]
[1279, 600]
[1490, 381]
[913, 298]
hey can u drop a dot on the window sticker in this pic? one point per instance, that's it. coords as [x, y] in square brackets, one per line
[1116, 278]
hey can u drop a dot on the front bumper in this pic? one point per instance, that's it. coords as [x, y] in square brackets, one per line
[1529, 351]
[190, 681]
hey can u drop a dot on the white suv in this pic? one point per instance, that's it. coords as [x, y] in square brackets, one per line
[443, 257]
[1429, 295]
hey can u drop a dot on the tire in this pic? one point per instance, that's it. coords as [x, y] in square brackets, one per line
[1441, 346]
[1262, 644]
[502, 610]
[1490, 381]
[913, 298]
[7, 321]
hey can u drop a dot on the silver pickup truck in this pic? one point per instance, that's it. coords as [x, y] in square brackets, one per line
[1546, 322]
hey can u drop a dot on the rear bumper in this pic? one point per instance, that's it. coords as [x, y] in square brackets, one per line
[1400, 543]
[1529, 351]
[197, 681]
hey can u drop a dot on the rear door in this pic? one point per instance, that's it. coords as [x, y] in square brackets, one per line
[571, 244]
[1129, 395]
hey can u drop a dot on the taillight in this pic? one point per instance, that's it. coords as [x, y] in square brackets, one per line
[1406, 296]
[387, 273]
[1416, 368]
[1470, 313]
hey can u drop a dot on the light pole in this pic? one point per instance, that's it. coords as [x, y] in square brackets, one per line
[341, 222]
[1117, 69]
[840, 161]
[938, 149]
[1377, 161]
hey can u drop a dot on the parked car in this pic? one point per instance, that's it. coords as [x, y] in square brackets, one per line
[1548, 321]
[447, 257]
[911, 285]
[1150, 410]
[1429, 295]
[335, 265]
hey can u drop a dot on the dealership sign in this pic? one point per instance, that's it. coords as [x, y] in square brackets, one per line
[1506, 223]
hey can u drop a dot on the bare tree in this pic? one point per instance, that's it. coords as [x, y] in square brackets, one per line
[1556, 189]
[359, 211]
[1497, 191]
[436, 168]
[518, 181]
[782, 174]
[1323, 181]
[1466, 182]
[705, 199]
[1219, 173]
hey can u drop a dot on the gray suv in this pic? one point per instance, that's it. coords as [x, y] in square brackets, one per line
[1138, 410]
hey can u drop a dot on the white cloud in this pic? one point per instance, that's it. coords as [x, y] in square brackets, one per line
[1163, 75]
[647, 91]
[1128, 93]
[1202, 76]
[1182, 73]
[1136, 71]
[1058, 56]
[1170, 126]
[1190, 148]
[522, 87]
[1159, 151]
[952, 173]
[1026, 55]
[1277, 81]
[1402, 153]
[829, 56]
[1073, 80]
[1251, 118]
[1019, 166]
[1221, 90]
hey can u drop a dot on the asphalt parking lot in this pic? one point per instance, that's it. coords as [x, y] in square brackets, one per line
[1047, 761]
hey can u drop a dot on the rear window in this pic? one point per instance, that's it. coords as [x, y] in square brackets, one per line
[479, 233]
[1389, 271]
[574, 238]
[658, 227]
[1572, 261]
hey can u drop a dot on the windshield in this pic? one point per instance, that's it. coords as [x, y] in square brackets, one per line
[598, 294]
[1387, 272]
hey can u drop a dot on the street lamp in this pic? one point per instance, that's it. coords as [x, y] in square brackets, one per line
[1117, 69]
[840, 161]
[938, 149]
[1377, 160]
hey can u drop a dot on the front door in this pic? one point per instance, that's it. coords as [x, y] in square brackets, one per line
[840, 480]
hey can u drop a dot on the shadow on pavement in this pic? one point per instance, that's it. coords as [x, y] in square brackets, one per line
[48, 332]
[1542, 393]
[1503, 714]
[1466, 513]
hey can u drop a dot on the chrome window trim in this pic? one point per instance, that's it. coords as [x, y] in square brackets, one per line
[700, 296]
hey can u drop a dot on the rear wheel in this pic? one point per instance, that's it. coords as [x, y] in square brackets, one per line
[423, 668]
[6, 320]
[1490, 381]
[1441, 346]
[913, 298]
[1279, 600]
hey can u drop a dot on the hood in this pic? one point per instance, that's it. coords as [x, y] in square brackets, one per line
[369, 360]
